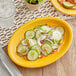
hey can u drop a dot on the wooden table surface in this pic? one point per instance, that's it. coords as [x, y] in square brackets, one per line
[65, 66]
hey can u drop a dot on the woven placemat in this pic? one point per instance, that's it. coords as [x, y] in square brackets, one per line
[23, 14]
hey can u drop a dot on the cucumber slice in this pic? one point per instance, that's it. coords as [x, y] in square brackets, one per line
[38, 34]
[68, 5]
[30, 34]
[32, 42]
[60, 29]
[37, 48]
[45, 28]
[56, 35]
[21, 48]
[32, 55]
[48, 48]
[54, 46]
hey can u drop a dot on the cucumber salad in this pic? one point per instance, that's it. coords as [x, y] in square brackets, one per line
[69, 4]
[40, 42]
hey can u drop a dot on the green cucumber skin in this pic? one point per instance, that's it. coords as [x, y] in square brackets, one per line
[33, 48]
[32, 59]
[20, 45]
[50, 48]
